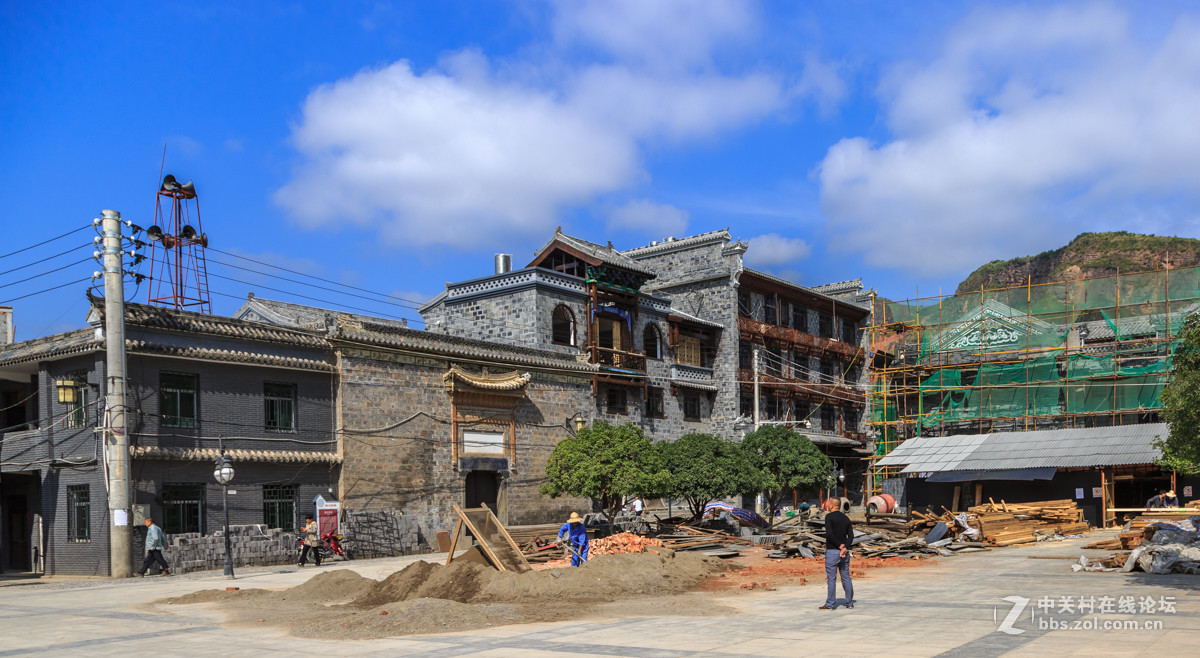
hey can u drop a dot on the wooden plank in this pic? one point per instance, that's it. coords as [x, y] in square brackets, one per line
[479, 537]
[504, 531]
[454, 539]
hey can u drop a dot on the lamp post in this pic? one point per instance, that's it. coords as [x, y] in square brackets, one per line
[579, 421]
[223, 472]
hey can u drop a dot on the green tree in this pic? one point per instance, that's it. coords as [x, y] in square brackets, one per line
[1181, 404]
[785, 460]
[702, 468]
[605, 462]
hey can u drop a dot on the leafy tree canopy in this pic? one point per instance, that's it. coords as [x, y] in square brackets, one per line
[785, 460]
[605, 462]
[703, 468]
[1181, 404]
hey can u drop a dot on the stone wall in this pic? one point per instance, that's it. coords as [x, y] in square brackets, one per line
[398, 446]
[251, 545]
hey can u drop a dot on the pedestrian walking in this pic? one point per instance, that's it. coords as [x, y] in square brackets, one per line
[155, 539]
[839, 537]
[311, 542]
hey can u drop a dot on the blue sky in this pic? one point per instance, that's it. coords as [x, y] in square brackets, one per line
[397, 147]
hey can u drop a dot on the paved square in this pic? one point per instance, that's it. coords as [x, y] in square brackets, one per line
[953, 607]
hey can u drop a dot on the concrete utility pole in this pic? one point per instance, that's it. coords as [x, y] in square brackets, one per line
[756, 359]
[116, 444]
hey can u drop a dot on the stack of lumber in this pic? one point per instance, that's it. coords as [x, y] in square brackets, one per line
[684, 537]
[1106, 544]
[1060, 511]
[1134, 533]
[999, 529]
[623, 542]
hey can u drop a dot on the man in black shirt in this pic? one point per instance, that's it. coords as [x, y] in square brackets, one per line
[839, 536]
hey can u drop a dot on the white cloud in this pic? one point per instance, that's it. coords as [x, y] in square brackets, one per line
[773, 250]
[1031, 126]
[651, 218]
[475, 149]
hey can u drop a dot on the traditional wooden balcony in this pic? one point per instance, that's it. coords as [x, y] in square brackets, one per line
[618, 359]
[799, 339]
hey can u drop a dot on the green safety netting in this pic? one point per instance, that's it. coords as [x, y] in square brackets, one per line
[1127, 323]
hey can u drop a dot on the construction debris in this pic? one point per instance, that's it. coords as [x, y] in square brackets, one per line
[623, 542]
[1168, 547]
[1006, 524]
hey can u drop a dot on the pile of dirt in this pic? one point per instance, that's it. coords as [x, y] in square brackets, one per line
[426, 597]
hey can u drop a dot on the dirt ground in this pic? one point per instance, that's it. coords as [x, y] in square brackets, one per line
[433, 598]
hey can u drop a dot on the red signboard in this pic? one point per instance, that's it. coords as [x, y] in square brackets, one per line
[327, 519]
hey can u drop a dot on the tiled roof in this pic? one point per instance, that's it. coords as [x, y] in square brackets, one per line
[71, 342]
[685, 383]
[698, 320]
[791, 284]
[441, 344]
[1057, 448]
[228, 356]
[156, 317]
[509, 381]
[840, 287]
[672, 244]
[605, 254]
[209, 454]
[302, 316]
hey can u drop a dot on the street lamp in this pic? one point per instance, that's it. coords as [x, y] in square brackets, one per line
[223, 473]
[579, 421]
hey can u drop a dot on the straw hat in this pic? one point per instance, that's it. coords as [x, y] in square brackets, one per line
[575, 518]
[1170, 494]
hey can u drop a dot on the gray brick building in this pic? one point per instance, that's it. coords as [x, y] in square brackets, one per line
[193, 381]
[673, 327]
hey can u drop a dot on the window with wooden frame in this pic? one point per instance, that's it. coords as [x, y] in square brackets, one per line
[770, 309]
[691, 407]
[617, 400]
[652, 342]
[77, 405]
[562, 326]
[654, 402]
[687, 351]
[799, 318]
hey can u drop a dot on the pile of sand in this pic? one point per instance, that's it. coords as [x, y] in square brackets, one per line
[426, 597]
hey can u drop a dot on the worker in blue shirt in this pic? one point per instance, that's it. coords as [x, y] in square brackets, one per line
[577, 538]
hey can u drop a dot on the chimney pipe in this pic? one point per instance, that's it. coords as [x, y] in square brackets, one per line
[503, 263]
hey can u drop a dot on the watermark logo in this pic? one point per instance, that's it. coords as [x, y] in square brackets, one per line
[1087, 613]
[1018, 606]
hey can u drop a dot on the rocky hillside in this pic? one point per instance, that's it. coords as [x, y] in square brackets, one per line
[1088, 255]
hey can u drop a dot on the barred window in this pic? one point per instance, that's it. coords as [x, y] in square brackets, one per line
[183, 508]
[279, 506]
[177, 394]
[79, 513]
[691, 406]
[280, 403]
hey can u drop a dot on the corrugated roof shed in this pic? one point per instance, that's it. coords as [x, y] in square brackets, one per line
[1060, 448]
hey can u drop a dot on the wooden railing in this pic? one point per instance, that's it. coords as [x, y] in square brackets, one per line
[618, 359]
[804, 388]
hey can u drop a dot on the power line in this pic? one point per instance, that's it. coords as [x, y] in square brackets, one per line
[322, 301]
[334, 290]
[45, 259]
[86, 278]
[336, 283]
[13, 253]
[35, 276]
